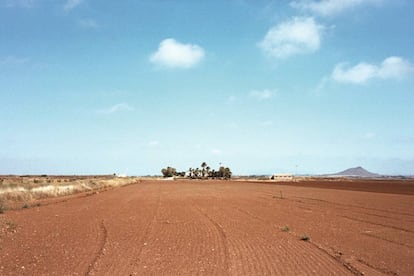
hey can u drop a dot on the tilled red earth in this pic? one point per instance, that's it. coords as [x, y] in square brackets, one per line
[212, 228]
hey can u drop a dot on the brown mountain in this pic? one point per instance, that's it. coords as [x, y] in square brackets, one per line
[357, 172]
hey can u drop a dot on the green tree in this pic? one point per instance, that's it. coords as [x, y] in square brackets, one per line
[169, 172]
[224, 172]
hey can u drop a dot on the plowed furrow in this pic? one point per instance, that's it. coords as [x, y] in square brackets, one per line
[388, 240]
[103, 238]
[128, 226]
[358, 207]
[379, 224]
[212, 228]
[222, 242]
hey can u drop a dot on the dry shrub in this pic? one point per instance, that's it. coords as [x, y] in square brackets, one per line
[26, 189]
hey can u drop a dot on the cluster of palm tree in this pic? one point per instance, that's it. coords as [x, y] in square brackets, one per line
[204, 173]
[207, 172]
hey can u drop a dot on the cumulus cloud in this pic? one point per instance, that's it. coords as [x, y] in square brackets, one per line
[395, 68]
[71, 4]
[329, 8]
[88, 23]
[299, 35]
[117, 108]
[262, 94]
[173, 54]
[391, 68]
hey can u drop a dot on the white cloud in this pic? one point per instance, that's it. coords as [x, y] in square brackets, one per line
[173, 54]
[216, 151]
[71, 4]
[117, 108]
[266, 123]
[328, 8]
[88, 23]
[17, 3]
[300, 35]
[360, 73]
[395, 68]
[12, 60]
[153, 143]
[231, 99]
[369, 135]
[262, 94]
[390, 68]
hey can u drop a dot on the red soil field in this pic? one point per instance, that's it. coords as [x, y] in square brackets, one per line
[214, 228]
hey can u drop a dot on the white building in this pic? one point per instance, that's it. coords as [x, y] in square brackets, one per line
[282, 177]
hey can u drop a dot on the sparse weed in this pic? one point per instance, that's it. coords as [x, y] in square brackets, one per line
[304, 237]
[285, 228]
[11, 226]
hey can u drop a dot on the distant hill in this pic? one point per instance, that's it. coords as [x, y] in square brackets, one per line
[356, 172]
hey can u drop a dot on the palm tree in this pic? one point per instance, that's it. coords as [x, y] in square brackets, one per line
[196, 172]
[203, 170]
[208, 171]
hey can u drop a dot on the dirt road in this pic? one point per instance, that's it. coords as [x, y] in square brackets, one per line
[212, 228]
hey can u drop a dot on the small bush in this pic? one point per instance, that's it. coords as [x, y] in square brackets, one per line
[305, 237]
[25, 206]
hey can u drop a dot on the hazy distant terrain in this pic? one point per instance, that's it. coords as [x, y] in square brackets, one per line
[357, 172]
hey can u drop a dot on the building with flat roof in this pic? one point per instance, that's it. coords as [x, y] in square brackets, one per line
[282, 177]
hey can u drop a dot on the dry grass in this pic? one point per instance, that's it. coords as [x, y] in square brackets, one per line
[30, 188]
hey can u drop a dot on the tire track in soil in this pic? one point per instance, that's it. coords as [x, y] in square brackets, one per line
[256, 257]
[357, 210]
[101, 250]
[379, 224]
[265, 261]
[355, 206]
[338, 258]
[147, 231]
[128, 230]
[249, 214]
[223, 238]
[389, 219]
[182, 242]
[380, 270]
[339, 206]
[388, 240]
[241, 227]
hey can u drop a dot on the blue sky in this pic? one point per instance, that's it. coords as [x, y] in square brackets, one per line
[92, 87]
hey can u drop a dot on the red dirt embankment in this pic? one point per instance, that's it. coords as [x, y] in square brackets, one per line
[212, 227]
